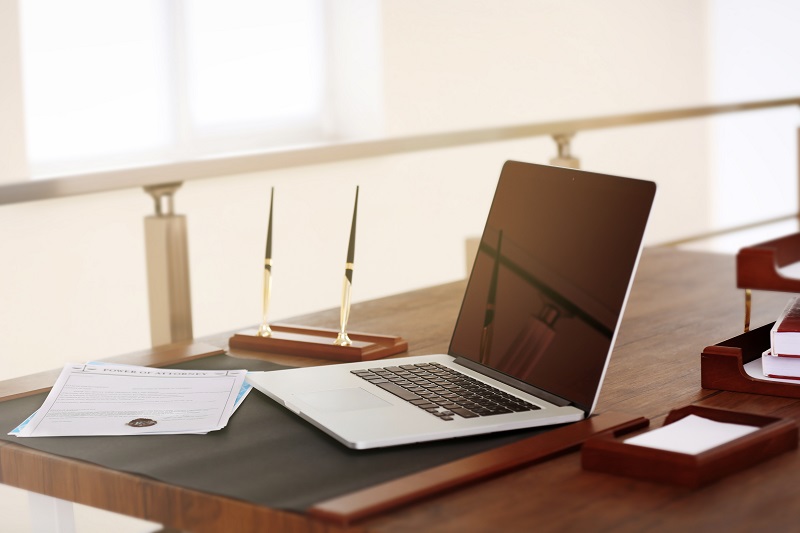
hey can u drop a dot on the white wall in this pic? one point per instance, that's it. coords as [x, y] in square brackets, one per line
[72, 286]
[13, 166]
[462, 64]
[754, 155]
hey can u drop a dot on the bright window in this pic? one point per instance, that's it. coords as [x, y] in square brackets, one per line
[129, 82]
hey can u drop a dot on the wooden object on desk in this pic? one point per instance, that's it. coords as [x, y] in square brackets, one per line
[722, 366]
[610, 455]
[318, 342]
[375, 500]
[759, 267]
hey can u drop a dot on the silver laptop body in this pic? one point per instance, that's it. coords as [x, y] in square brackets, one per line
[534, 335]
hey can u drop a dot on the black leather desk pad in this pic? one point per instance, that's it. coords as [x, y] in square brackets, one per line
[266, 454]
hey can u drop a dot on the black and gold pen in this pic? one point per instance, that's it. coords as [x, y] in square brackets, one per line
[342, 339]
[264, 330]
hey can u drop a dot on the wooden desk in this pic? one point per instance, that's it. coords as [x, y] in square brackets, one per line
[680, 303]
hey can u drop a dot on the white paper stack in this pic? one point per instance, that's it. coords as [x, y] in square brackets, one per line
[111, 399]
[691, 435]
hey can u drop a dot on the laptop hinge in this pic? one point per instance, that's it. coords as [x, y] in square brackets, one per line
[517, 384]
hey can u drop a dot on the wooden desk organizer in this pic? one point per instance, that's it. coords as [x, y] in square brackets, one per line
[318, 342]
[759, 267]
[605, 453]
[722, 366]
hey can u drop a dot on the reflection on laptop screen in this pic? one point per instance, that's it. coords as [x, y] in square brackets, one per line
[551, 277]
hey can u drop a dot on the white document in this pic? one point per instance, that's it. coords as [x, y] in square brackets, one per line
[99, 399]
[243, 392]
[691, 435]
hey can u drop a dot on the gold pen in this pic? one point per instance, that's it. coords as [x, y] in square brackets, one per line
[264, 330]
[342, 339]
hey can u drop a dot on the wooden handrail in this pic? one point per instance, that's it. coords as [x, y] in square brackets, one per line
[340, 151]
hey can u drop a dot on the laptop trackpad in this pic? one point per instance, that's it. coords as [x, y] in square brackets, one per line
[339, 400]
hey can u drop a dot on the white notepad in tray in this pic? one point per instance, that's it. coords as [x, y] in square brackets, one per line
[691, 435]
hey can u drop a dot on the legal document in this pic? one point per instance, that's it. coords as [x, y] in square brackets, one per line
[109, 399]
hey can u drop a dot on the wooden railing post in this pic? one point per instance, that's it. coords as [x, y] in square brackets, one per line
[167, 251]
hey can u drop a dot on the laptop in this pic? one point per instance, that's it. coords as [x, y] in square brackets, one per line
[534, 334]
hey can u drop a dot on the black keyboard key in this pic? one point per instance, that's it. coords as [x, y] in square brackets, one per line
[466, 413]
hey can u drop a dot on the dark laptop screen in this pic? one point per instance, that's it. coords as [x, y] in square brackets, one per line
[551, 277]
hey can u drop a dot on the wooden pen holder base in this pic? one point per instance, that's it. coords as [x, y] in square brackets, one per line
[318, 342]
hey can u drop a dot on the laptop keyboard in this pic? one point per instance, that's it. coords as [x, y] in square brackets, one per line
[444, 392]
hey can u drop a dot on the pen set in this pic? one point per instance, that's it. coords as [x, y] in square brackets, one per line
[342, 339]
[310, 341]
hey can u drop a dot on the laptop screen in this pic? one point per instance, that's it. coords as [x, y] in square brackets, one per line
[551, 277]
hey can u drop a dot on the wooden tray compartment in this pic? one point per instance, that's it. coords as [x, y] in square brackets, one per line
[606, 453]
[722, 366]
[758, 266]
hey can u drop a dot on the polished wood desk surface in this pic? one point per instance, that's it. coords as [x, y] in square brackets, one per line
[680, 303]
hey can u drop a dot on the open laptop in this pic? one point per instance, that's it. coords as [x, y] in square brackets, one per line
[534, 335]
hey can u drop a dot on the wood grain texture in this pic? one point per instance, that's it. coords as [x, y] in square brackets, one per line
[680, 303]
